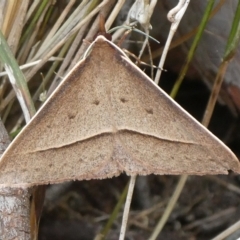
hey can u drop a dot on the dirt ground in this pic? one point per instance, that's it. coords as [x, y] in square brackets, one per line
[206, 207]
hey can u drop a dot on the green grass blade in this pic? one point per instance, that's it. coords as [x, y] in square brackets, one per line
[17, 79]
[193, 48]
[234, 35]
[34, 21]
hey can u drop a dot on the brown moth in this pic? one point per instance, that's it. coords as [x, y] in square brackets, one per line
[108, 117]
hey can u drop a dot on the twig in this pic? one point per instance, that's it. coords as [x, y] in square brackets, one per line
[228, 231]
[114, 13]
[175, 16]
[229, 186]
[170, 207]
[30, 64]
[218, 216]
[127, 207]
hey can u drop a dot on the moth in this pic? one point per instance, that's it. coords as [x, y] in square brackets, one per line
[108, 117]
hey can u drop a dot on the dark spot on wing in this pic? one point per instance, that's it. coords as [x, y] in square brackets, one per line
[149, 110]
[71, 115]
[96, 102]
[123, 100]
